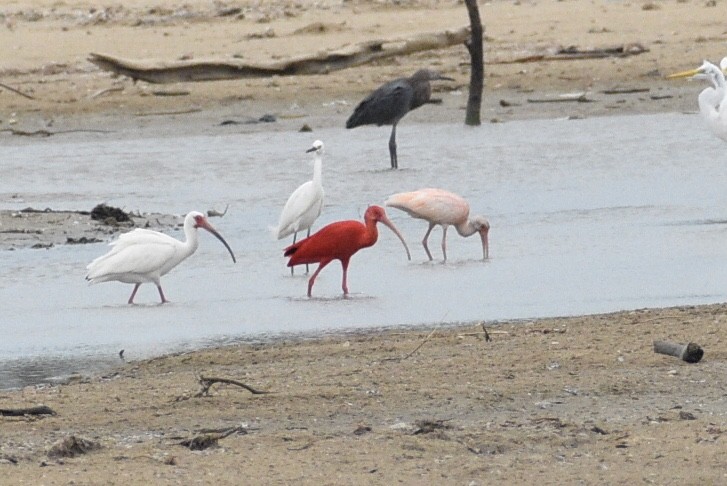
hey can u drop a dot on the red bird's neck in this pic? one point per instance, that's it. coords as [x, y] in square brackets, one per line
[371, 234]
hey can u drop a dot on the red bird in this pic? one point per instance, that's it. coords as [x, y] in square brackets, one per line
[339, 241]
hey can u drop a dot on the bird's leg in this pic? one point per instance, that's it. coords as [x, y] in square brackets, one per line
[315, 274]
[306, 265]
[344, 286]
[292, 269]
[392, 148]
[444, 241]
[161, 294]
[133, 293]
[424, 241]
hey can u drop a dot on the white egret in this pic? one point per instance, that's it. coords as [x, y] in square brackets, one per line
[142, 255]
[712, 100]
[305, 204]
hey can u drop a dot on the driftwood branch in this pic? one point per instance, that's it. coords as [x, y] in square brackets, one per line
[691, 353]
[2, 85]
[206, 383]
[572, 53]
[46, 133]
[578, 98]
[213, 213]
[210, 439]
[19, 412]
[320, 63]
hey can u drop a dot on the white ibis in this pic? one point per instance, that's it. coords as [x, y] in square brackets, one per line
[142, 255]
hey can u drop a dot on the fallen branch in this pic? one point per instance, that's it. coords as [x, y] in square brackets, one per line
[46, 133]
[429, 336]
[166, 113]
[320, 63]
[545, 331]
[691, 353]
[19, 412]
[204, 441]
[619, 91]
[206, 382]
[106, 91]
[579, 98]
[16, 91]
[572, 53]
[213, 213]
[670, 316]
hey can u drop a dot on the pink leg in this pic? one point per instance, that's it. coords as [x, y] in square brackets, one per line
[161, 294]
[444, 241]
[424, 241]
[312, 280]
[344, 286]
[133, 293]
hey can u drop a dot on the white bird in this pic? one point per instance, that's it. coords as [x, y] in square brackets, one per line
[305, 204]
[713, 100]
[444, 208]
[142, 255]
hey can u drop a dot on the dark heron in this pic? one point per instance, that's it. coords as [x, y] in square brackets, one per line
[389, 103]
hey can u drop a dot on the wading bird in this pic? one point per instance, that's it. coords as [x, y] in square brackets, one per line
[305, 204]
[444, 208]
[142, 255]
[713, 100]
[390, 102]
[340, 241]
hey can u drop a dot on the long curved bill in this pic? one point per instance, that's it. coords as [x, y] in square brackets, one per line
[683, 74]
[391, 226]
[209, 228]
[484, 232]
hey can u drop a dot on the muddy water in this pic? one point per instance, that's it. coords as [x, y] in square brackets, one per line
[587, 216]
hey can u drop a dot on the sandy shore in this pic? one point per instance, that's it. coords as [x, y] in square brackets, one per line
[560, 401]
[45, 45]
[576, 400]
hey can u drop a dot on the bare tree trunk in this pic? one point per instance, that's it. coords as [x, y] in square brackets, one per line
[477, 71]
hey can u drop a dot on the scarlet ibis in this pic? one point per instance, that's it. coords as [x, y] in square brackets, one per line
[390, 102]
[142, 255]
[340, 241]
[305, 204]
[440, 207]
[713, 100]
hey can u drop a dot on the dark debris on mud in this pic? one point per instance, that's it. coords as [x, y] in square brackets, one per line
[47, 228]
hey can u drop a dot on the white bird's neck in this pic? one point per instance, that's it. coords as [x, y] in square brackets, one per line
[709, 100]
[318, 169]
[719, 79]
[191, 237]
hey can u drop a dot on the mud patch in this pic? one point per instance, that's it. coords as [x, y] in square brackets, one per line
[42, 229]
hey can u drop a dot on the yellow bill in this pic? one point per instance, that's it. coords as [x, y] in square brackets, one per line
[684, 74]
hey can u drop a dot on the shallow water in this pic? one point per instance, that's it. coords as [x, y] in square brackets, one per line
[587, 216]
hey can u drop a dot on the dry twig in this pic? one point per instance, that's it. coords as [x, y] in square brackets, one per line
[207, 382]
[16, 91]
[205, 440]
